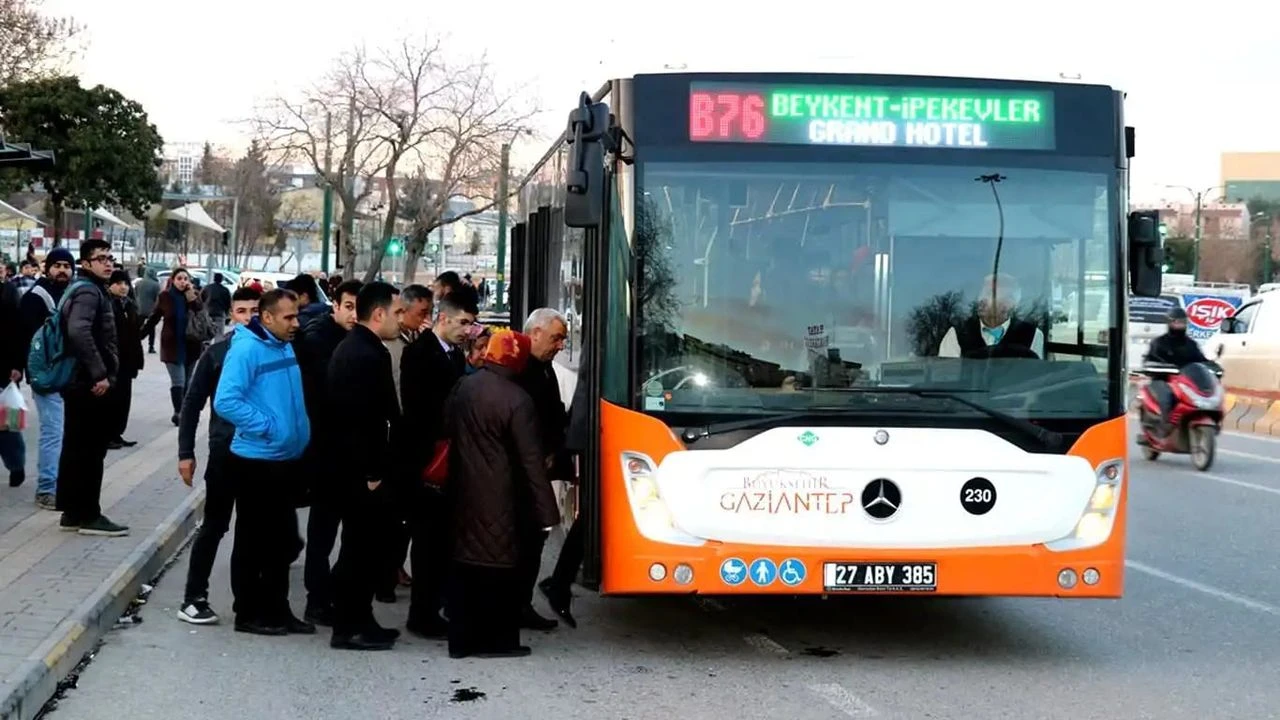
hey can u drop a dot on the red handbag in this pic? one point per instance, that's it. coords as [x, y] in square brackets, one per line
[437, 470]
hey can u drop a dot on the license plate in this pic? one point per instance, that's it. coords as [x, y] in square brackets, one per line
[880, 577]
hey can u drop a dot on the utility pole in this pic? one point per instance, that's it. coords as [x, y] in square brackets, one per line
[504, 169]
[1199, 198]
[326, 224]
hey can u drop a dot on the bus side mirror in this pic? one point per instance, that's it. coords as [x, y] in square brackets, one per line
[1145, 253]
[584, 187]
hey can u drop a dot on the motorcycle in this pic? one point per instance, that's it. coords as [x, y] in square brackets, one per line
[1199, 401]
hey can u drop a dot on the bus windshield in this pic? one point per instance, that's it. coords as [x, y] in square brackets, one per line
[775, 286]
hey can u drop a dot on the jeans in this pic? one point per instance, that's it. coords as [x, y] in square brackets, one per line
[49, 409]
[179, 373]
[13, 451]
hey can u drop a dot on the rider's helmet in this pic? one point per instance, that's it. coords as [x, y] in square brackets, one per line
[1177, 321]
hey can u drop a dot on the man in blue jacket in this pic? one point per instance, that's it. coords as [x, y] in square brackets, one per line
[260, 394]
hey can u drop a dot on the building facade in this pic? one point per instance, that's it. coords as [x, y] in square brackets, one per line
[1249, 175]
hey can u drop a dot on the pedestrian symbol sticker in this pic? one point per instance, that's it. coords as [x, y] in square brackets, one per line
[763, 571]
[791, 572]
[733, 571]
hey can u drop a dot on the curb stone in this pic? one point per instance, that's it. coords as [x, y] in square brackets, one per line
[36, 681]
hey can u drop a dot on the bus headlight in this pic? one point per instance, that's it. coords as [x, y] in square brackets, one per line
[1099, 514]
[653, 517]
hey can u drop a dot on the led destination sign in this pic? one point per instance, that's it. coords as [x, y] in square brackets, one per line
[894, 116]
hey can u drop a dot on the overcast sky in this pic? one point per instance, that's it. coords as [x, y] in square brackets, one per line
[1198, 82]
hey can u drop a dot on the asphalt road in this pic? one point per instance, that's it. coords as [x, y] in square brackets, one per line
[1197, 635]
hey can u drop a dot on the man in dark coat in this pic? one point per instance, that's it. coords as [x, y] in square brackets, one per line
[129, 342]
[429, 369]
[361, 400]
[315, 344]
[547, 331]
[497, 489]
[91, 339]
[557, 587]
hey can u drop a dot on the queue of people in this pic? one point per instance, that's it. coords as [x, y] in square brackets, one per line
[408, 430]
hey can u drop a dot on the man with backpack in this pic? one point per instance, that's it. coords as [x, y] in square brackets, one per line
[37, 305]
[88, 329]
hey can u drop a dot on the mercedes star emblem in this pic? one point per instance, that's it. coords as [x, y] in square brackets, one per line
[881, 437]
[881, 498]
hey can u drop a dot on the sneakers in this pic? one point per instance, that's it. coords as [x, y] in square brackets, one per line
[102, 527]
[46, 501]
[198, 612]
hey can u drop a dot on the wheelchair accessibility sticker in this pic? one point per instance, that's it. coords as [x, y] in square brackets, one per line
[791, 572]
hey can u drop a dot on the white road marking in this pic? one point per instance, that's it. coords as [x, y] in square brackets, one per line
[1251, 456]
[766, 644]
[838, 697]
[1193, 474]
[1206, 589]
[1251, 436]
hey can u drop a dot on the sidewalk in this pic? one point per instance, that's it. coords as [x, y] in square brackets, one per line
[60, 592]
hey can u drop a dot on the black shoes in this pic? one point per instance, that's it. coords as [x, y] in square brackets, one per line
[560, 599]
[531, 620]
[319, 615]
[436, 629]
[17, 477]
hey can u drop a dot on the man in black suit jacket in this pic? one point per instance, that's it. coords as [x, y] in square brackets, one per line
[429, 368]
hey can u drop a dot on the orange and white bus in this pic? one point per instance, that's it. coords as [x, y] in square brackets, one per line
[819, 321]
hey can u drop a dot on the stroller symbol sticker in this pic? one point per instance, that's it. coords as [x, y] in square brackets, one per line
[791, 572]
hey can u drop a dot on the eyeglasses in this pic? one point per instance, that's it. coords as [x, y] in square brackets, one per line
[102, 259]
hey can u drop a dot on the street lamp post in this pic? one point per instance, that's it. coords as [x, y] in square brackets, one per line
[1199, 198]
[1270, 219]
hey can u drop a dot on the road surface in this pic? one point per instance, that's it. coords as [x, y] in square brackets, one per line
[1196, 636]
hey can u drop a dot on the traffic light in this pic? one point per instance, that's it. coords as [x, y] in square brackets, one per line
[1164, 231]
[394, 246]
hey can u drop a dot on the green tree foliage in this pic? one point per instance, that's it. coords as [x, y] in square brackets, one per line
[31, 42]
[107, 151]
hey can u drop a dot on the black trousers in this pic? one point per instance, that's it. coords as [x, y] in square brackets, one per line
[570, 560]
[266, 538]
[121, 397]
[219, 502]
[398, 537]
[484, 609]
[530, 564]
[365, 518]
[87, 428]
[429, 556]
[322, 534]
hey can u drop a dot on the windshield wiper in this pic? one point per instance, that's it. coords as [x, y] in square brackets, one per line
[693, 434]
[1048, 439]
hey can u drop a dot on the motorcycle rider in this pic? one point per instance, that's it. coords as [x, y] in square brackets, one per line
[1175, 348]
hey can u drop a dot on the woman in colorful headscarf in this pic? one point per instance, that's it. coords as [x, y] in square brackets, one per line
[475, 346]
[499, 492]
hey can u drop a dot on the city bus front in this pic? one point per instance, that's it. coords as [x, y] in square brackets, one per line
[850, 367]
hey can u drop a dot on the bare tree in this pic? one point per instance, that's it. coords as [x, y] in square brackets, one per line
[334, 130]
[32, 43]
[460, 136]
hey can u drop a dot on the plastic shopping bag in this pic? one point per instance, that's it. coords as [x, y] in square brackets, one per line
[13, 409]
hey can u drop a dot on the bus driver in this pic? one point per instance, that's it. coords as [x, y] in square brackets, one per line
[993, 327]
